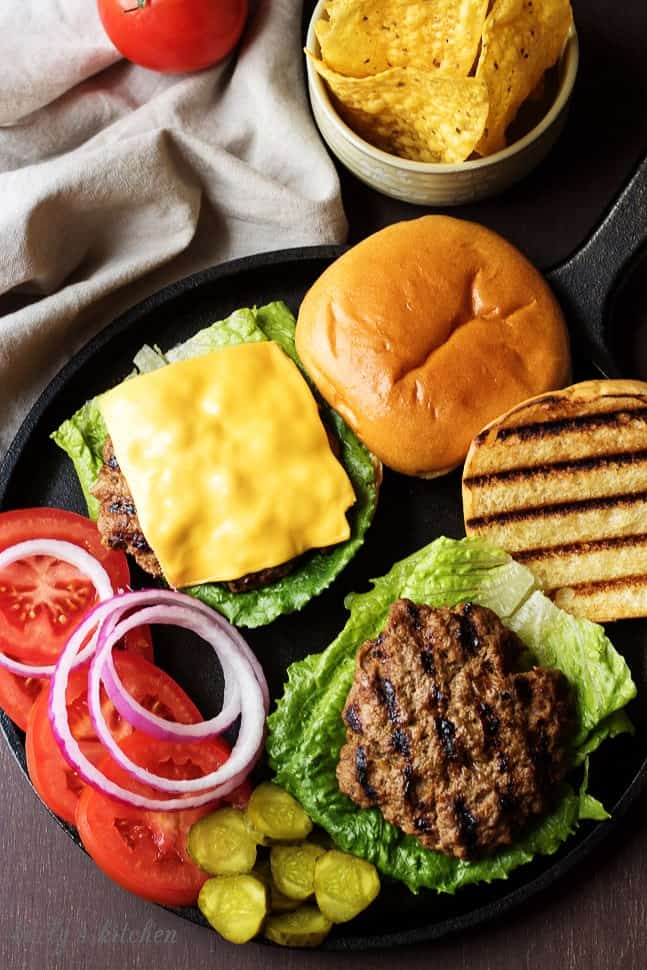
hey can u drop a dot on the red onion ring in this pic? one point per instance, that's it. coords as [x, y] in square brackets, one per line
[205, 623]
[160, 727]
[139, 717]
[249, 737]
[153, 597]
[67, 552]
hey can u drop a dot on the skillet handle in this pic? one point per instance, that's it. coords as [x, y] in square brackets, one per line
[584, 282]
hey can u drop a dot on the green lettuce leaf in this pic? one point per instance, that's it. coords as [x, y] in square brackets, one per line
[306, 731]
[83, 437]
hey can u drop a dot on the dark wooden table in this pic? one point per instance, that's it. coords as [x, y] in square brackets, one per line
[58, 911]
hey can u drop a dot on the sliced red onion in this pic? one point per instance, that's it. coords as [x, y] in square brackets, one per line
[139, 717]
[180, 599]
[153, 597]
[67, 552]
[24, 670]
[250, 734]
[253, 691]
[160, 727]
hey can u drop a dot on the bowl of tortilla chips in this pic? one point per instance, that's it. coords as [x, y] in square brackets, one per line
[441, 102]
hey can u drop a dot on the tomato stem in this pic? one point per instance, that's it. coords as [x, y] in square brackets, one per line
[138, 6]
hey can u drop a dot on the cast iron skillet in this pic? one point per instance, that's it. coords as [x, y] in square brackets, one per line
[411, 512]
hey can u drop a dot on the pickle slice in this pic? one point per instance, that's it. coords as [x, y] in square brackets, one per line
[277, 815]
[293, 868]
[344, 885]
[306, 926]
[234, 905]
[278, 902]
[222, 843]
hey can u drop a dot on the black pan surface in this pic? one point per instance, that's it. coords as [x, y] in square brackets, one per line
[411, 513]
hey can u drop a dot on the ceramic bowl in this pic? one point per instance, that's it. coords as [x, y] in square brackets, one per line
[437, 184]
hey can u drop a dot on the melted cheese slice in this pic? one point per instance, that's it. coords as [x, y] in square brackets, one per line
[228, 463]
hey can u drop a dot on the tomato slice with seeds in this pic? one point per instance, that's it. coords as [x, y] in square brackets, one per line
[55, 781]
[43, 600]
[145, 852]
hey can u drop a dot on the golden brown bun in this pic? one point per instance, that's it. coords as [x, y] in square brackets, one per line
[560, 482]
[424, 332]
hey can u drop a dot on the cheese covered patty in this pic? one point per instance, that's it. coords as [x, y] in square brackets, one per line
[228, 463]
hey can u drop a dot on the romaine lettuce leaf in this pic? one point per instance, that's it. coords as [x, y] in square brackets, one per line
[83, 437]
[306, 731]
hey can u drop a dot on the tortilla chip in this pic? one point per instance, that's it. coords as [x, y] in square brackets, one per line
[521, 40]
[365, 37]
[411, 113]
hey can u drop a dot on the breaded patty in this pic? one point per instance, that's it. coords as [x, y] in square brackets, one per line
[446, 736]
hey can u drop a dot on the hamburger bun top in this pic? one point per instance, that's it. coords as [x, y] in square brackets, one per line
[425, 332]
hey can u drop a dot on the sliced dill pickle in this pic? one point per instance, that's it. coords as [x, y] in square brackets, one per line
[234, 905]
[278, 902]
[344, 885]
[306, 926]
[222, 843]
[276, 814]
[293, 868]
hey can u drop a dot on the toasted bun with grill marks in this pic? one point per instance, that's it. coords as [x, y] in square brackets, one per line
[425, 331]
[560, 482]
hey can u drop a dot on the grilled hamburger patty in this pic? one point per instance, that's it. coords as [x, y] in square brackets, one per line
[120, 529]
[445, 738]
[118, 524]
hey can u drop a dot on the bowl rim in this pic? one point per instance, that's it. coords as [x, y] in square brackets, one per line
[569, 63]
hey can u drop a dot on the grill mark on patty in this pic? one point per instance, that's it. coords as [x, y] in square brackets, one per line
[468, 635]
[558, 509]
[423, 824]
[386, 693]
[546, 469]
[408, 782]
[543, 429]
[122, 506]
[523, 689]
[139, 542]
[436, 695]
[467, 824]
[400, 741]
[351, 717]
[490, 723]
[361, 773]
[427, 661]
[446, 731]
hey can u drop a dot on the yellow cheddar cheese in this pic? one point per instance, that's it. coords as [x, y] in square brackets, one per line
[228, 463]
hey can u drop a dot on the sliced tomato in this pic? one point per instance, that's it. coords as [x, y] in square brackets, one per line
[145, 852]
[55, 781]
[43, 600]
[18, 695]
[138, 641]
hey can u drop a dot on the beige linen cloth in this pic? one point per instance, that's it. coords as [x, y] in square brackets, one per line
[115, 181]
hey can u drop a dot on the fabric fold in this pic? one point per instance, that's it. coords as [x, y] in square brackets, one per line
[126, 180]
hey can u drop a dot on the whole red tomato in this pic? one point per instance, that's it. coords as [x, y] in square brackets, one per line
[173, 36]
